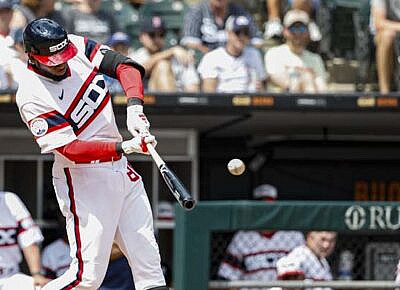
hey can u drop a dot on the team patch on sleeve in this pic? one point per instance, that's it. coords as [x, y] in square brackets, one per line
[47, 123]
[39, 127]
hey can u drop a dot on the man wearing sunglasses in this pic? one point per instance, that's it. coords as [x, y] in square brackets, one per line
[236, 67]
[290, 66]
[167, 70]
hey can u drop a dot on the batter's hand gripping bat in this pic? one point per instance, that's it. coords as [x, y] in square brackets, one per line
[176, 186]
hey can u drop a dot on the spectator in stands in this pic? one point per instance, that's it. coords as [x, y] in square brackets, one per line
[167, 70]
[87, 19]
[7, 53]
[288, 268]
[386, 20]
[56, 260]
[19, 45]
[29, 10]
[6, 16]
[274, 28]
[312, 256]
[290, 66]
[204, 25]
[252, 255]
[236, 67]
[18, 232]
[15, 67]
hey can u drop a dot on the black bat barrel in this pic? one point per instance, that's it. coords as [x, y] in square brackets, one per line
[177, 188]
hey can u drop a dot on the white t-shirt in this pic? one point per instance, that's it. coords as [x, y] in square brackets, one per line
[233, 74]
[17, 230]
[314, 268]
[280, 60]
[185, 76]
[8, 56]
[252, 255]
[56, 258]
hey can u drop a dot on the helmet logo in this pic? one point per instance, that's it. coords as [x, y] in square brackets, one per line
[59, 46]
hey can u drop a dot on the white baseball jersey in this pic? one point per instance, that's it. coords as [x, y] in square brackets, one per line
[78, 107]
[314, 268]
[102, 201]
[17, 230]
[252, 255]
[56, 258]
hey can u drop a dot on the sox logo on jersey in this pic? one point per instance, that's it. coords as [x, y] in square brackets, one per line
[92, 98]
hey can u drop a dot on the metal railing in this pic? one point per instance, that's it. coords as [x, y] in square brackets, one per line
[304, 284]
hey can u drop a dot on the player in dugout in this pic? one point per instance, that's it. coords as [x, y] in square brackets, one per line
[66, 105]
[252, 255]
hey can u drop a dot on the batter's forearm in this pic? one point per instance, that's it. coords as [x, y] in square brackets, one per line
[87, 151]
[32, 257]
[131, 82]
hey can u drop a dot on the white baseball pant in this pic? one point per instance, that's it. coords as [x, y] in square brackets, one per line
[103, 203]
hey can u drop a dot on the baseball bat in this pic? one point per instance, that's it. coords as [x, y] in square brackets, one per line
[176, 186]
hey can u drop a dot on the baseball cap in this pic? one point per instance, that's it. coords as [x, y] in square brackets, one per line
[119, 37]
[265, 191]
[294, 16]
[6, 4]
[288, 266]
[237, 22]
[152, 24]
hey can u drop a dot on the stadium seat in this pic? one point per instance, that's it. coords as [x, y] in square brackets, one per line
[172, 13]
[347, 43]
[127, 17]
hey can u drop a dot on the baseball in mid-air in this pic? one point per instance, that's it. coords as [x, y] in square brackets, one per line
[236, 166]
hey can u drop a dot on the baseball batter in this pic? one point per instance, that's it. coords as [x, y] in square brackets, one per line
[66, 105]
[17, 230]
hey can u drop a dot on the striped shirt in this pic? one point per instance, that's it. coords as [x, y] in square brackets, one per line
[200, 26]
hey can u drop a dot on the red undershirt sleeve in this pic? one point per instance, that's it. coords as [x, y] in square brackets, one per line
[87, 151]
[131, 81]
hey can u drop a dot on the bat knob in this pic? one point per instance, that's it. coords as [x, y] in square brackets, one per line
[188, 204]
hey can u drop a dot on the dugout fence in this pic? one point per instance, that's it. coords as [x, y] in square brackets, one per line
[367, 230]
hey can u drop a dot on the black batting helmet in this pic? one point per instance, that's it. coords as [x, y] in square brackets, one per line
[47, 42]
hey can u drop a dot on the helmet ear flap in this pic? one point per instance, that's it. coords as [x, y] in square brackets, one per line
[29, 48]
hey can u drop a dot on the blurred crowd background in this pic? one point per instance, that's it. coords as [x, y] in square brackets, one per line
[311, 46]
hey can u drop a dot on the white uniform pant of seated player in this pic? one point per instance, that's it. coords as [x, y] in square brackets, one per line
[17, 281]
[101, 204]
